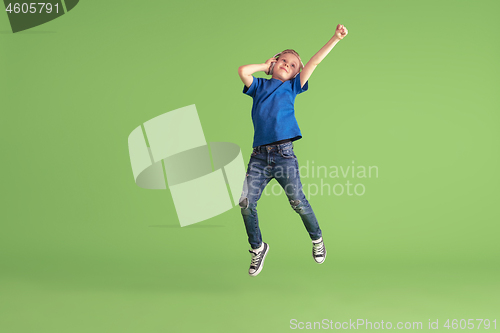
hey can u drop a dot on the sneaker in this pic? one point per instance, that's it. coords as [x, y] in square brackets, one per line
[258, 259]
[319, 251]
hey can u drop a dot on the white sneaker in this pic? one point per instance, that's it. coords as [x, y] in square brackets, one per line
[319, 251]
[258, 259]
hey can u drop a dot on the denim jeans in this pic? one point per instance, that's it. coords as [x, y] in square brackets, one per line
[278, 162]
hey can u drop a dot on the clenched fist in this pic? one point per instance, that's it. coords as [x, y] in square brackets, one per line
[341, 31]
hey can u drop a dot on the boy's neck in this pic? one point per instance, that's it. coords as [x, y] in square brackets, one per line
[276, 78]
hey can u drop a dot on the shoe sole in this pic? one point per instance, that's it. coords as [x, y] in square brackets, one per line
[262, 263]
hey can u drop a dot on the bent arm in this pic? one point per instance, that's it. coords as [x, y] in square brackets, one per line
[246, 72]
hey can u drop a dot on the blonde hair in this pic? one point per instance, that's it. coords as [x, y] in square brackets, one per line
[301, 65]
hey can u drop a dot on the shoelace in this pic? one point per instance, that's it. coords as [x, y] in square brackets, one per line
[319, 249]
[255, 257]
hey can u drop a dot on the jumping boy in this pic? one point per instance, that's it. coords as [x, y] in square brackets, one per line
[275, 126]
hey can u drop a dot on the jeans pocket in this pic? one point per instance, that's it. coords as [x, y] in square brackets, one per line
[287, 152]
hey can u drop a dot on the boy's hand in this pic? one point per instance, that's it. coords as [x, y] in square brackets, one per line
[268, 64]
[341, 31]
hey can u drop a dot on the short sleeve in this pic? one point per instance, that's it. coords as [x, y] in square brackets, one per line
[256, 83]
[296, 85]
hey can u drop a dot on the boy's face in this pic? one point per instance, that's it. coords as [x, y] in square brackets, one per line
[286, 67]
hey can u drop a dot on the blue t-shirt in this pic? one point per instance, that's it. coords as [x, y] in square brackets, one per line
[273, 114]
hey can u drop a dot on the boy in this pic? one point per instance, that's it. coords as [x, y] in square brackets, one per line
[276, 128]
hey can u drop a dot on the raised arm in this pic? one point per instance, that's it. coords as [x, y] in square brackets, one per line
[246, 71]
[309, 68]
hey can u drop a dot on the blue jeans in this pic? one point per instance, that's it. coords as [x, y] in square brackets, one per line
[266, 163]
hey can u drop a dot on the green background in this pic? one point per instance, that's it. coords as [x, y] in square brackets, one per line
[413, 90]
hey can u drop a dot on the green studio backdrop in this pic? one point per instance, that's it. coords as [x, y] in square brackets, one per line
[411, 92]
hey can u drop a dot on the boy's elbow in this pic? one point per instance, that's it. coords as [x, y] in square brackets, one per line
[243, 73]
